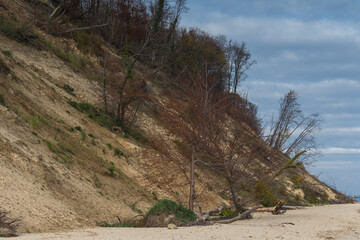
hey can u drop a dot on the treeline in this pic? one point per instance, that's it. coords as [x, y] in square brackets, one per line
[150, 32]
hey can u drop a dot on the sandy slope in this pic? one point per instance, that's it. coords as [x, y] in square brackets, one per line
[323, 222]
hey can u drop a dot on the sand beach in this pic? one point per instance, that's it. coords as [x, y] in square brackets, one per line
[340, 222]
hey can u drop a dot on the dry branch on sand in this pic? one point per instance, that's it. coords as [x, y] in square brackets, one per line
[8, 226]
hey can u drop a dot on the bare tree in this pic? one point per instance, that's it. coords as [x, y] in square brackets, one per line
[239, 61]
[292, 132]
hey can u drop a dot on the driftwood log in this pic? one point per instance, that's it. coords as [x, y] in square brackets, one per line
[241, 216]
[278, 209]
[206, 215]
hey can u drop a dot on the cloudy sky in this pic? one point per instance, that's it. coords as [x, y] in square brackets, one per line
[309, 46]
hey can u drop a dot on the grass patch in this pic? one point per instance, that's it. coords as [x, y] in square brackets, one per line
[111, 168]
[7, 53]
[87, 43]
[61, 150]
[94, 113]
[135, 134]
[68, 89]
[181, 213]
[2, 100]
[262, 193]
[124, 224]
[18, 32]
[36, 121]
[76, 62]
[118, 152]
[83, 134]
[4, 69]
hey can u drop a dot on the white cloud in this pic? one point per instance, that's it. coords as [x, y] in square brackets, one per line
[340, 131]
[337, 164]
[282, 30]
[337, 150]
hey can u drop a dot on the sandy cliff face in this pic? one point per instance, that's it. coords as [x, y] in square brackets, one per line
[58, 167]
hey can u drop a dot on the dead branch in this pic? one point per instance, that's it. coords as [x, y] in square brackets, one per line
[56, 9]
[240, 216]
[85, 28]
[205, 216]
[278, 208]
[8, 225]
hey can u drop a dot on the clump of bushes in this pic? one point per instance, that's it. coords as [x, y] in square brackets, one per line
[169, 207]
[94, 113]
[88, 43]
[7, 53]
[262, 193]
[75, 61]
[4, 69]
[118, 152]
[2, 100]
[16, 31]
[111, 168]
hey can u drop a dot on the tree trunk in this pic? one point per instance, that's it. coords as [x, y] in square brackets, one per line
[235, 196]
[192, 181]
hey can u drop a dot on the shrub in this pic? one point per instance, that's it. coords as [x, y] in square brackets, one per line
[4, 69]
[69, 89]
[136, 134]
[7, 53]
[76, 62]
[181, 213]
[118, 152]
[16, 31]
[119, 224]
[111, 168]
[2, 100]
[94, 113]
[262, 193]
[87, 43]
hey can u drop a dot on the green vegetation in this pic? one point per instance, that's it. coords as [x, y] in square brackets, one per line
[124, 224]
[4, 69]
[136, 134]
[36, 120]
[76, 62]
[87, 43]
[61, 150]
[83, 134]
[94, 113]
[228, 213]
[262, 193]
[2, 100]
[7, 53]
[109, 145]
[118, 152]
[181, 213]
[111, 168]
[18, 32]
[69, 89]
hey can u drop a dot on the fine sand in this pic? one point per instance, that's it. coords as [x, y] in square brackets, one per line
[321, 222]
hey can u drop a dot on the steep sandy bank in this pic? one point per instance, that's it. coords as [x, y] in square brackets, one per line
[321, 222]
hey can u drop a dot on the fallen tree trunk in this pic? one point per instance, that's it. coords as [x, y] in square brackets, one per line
[270, 209]
[205, 216]
[240, 216]
[278, 208]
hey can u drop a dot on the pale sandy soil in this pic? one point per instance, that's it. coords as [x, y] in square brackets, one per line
[322, 222]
